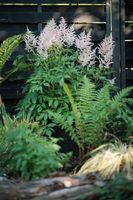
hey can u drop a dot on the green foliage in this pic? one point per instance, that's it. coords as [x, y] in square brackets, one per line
[92, 111]
[7, 48]
[120, 188]
[43, 92]
[26, 153]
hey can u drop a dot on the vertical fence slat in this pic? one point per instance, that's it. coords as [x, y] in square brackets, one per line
[116, 37]
[118, 19]
[122, 52]
[108, 17]
[39, 10]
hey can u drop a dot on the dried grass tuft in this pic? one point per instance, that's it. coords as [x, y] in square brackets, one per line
[109, 160]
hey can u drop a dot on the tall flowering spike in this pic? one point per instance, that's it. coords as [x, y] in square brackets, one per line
[83, 41]
[67, 34]
[30, 41]
[87, 57]
[49, 36]
[105, 51]
[85, 49]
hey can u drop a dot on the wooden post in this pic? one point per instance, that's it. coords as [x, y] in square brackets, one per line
[122, 53]
[39, 10]
[118, 36]
[108, 17]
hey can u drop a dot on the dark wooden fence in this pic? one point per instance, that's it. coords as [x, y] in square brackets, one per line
[102, 16]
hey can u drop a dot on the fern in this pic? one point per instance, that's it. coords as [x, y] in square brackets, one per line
[92, 111]
[7, 48]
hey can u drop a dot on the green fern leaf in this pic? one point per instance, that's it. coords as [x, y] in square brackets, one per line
[77, 116]
[7, 48]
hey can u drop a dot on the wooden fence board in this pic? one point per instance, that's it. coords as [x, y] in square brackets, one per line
[30, 17]
[54, 1]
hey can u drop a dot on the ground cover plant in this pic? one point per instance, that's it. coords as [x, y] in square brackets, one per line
[24, 153]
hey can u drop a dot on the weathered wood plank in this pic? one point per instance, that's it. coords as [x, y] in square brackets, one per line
[129, 12]
[116, 38]
[108, 17]
[128, 1]
[55, 1]
[129, 74]
[122, 43]
[73, 14]
[97, 32]
[58, 188]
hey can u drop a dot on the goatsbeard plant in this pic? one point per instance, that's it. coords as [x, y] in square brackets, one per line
[55, 56]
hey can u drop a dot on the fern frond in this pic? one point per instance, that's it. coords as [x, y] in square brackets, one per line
[79, 126]
[7, 48]
[62, 122]
[103, 96]
[122, 94]
[86, 94]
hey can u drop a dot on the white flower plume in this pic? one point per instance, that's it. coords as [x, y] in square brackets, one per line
[87, 57]
[62, 35]
[49, 35]
[67, 33]
[87, 53]
[30, 41]
[83, 41]
[105, 51]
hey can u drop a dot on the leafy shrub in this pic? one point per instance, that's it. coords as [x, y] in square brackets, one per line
[26, 153]
[109, 160]
[92, 110]
[56, 55]
[43, 90]
[120, 188]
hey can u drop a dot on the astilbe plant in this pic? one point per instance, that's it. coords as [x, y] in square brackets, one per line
[55, 56]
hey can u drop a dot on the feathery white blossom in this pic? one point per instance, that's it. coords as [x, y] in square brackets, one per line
[62, 35]
[30, 41]
[105, 51]
[67, 33]
[85, 49]
[83, 41]
[87, 57]
[49, 35]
